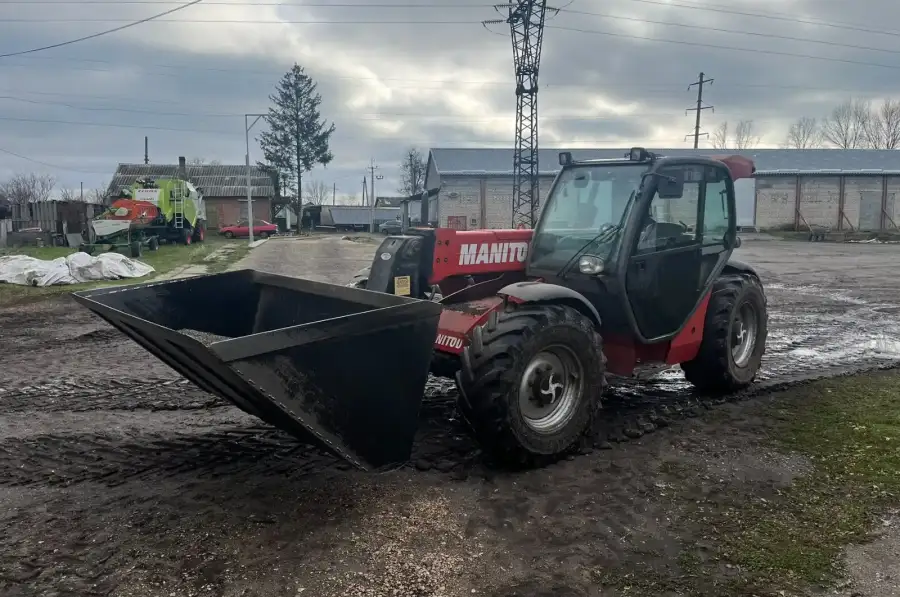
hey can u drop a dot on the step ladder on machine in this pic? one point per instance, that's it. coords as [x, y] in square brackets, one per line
[178, 205]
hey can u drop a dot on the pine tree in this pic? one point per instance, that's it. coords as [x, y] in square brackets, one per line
[297, 137]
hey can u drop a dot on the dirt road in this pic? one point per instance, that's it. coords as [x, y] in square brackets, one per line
[117, 478]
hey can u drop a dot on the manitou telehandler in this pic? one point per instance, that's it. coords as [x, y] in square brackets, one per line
[628, 267]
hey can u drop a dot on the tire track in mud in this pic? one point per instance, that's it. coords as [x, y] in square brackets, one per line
[79, 395]
[816, 334]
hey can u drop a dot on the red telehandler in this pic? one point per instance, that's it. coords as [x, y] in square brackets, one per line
[628, 267]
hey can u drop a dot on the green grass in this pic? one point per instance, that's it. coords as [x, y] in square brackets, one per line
[168, 258]
[849, 429]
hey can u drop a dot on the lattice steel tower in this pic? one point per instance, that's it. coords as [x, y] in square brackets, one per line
[526, 25]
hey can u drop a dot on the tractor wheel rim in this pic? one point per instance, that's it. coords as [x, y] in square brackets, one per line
[550, 389]
[743, 334]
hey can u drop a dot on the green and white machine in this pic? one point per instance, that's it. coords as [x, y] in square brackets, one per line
[149, 212]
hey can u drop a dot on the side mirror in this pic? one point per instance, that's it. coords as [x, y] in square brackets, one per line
[565, 158]
[670, 185]
[732, 242]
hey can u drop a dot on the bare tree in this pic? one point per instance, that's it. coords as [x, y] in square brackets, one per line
[882, 127]
[66, 194]
[348, 200]
[26, 188]
[846, 126]
[745, 136]
[317, 192]
[102, 195]
[198, 161]
[412, 173]
[719, 138]
[805, 133]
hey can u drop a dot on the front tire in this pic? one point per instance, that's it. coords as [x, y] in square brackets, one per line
[734, 337]
[531, 380]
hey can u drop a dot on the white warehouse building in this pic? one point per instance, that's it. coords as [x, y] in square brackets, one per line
[853, 189]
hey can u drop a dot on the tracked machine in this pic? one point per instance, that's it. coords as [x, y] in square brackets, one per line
[629, 267]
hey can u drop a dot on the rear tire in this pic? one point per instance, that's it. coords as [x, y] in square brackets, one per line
[737, 311]
[546, 344]
[187, 236]
[137, 250]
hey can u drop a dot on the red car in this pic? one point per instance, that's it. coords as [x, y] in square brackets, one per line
[261, 229]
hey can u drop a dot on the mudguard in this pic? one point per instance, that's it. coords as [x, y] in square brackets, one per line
[735, 266]
[537, 292]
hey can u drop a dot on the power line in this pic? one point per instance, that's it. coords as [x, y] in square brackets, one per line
[49, 165]
[721, 47]
[354, 116]
[770, 16]
[704, 7]
[243, 21]
[733, 31]
[92, 36]
[644, 88]
[279, 4]
[611, 34]
[236, 133]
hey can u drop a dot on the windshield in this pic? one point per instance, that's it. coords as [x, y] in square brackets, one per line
[585, 202]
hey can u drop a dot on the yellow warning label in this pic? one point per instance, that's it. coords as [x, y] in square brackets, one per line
[401, 285]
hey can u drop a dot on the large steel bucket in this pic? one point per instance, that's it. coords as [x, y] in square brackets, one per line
[340, 366]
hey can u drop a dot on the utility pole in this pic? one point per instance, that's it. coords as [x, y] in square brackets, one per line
[700, 107]
[146, 150]
[372, 196]
[334, 193]
[247, 126]
[82, 192]
[365, 191]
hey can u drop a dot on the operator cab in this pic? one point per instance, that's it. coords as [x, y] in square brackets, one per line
[640, 237]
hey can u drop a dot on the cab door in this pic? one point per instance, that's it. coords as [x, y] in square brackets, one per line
[680, 244]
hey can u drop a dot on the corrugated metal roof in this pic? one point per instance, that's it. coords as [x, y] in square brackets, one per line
[861, 172]
[475, 162]
[215, 181]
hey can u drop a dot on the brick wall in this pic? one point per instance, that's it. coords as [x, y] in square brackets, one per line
[485, 202]
[776, 201]
[226, 211]
[820, 199]
[892, 206]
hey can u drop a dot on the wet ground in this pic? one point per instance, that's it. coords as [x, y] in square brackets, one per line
[118, 478]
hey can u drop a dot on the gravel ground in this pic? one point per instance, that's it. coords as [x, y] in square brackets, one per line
[119, 478]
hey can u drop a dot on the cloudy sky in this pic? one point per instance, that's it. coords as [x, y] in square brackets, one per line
[424, 73]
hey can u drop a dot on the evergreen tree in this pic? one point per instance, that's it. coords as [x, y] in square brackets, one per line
[297, 137]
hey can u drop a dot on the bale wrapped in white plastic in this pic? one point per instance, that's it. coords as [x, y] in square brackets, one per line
[73, 269]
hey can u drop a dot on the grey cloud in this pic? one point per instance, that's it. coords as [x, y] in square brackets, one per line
[581, 73]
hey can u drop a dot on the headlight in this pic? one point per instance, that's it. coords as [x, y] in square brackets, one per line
[589, 264]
